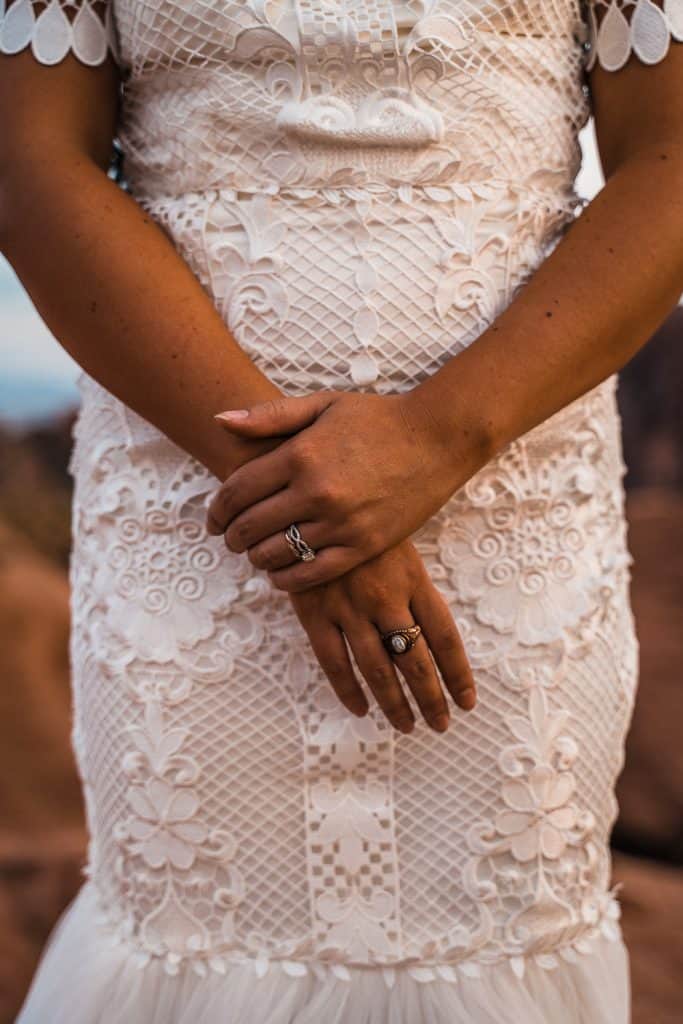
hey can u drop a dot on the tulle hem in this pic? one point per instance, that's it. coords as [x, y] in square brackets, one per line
[84, 978]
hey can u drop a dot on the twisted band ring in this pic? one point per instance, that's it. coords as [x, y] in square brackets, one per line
[301, 549]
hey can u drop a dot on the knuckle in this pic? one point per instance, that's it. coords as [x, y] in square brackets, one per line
[261, 559]
[302, 454]
[421, 671]
[338, 674]
[272, 406]
[373, 539]
[380, 679]
[242, 531]
[376, 593]
[326, 493]
[448, 641]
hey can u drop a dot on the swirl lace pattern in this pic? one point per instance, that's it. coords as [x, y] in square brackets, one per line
[361, 188]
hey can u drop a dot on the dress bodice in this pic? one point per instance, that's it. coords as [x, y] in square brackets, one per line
[250, 94]
[292, 94]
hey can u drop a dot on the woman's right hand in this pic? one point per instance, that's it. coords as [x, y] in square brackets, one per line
[384, 593]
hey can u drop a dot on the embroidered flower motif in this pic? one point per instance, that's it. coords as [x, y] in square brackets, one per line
[164, 827]
[471, 280]
[521, 547]
[159, 576]
[539, 816]
[243, 240]
[356, 923]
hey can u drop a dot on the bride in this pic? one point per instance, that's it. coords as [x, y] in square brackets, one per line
[352, 650]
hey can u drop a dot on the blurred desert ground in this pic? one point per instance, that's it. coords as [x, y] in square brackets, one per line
[42, 844]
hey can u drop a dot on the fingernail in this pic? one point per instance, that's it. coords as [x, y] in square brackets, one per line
[468, 699]
[440, 723]
[232, 414]
[406, 725]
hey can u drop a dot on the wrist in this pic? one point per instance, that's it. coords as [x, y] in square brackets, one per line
[460, 427]
[230, 451]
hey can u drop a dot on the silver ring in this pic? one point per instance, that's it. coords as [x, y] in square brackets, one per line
[398, 641]
[301, 549]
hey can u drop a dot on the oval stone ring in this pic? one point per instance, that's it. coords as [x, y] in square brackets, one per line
[398, 641]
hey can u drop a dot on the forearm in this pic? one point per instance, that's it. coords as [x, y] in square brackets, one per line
[122, 301]
[599, 296]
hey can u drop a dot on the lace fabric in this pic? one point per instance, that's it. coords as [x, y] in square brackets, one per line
[361, 188]
[52, 30]
[619, 28]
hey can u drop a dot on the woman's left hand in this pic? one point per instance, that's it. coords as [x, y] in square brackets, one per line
[360, 473]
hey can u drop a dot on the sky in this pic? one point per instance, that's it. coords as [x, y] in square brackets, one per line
[37, 377]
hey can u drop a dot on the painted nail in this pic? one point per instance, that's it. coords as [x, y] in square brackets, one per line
[232, 414]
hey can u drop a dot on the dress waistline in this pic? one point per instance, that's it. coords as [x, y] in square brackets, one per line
[560, 198]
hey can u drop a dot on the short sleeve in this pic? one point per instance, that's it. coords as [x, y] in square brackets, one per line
[618, 28]
[54, 28]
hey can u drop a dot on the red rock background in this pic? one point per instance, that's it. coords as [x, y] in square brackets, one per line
[42, 841]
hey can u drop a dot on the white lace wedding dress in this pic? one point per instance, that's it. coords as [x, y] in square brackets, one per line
[361, 187]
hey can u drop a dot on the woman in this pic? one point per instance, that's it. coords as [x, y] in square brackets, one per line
[352, 227]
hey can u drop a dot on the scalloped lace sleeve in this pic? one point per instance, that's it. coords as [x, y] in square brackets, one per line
[617, 28]
[53, 28]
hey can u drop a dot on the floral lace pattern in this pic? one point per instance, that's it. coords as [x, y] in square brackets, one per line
[361, 188]
[180, 878]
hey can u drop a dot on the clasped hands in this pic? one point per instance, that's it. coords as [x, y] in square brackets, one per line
[357, 473]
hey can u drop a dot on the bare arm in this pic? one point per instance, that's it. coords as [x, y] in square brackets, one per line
[103, 275]
[122, 301]
[607, 286]
[588, 308]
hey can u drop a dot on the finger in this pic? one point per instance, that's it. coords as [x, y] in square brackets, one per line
[275, 553]
[277, 417]
[330, 649]
[379, 672]
[256, 480]
[441, 633]
[329, 564]
[272, 515]
[418, 669]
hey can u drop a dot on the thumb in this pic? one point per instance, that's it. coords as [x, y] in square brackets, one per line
[277, 416]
